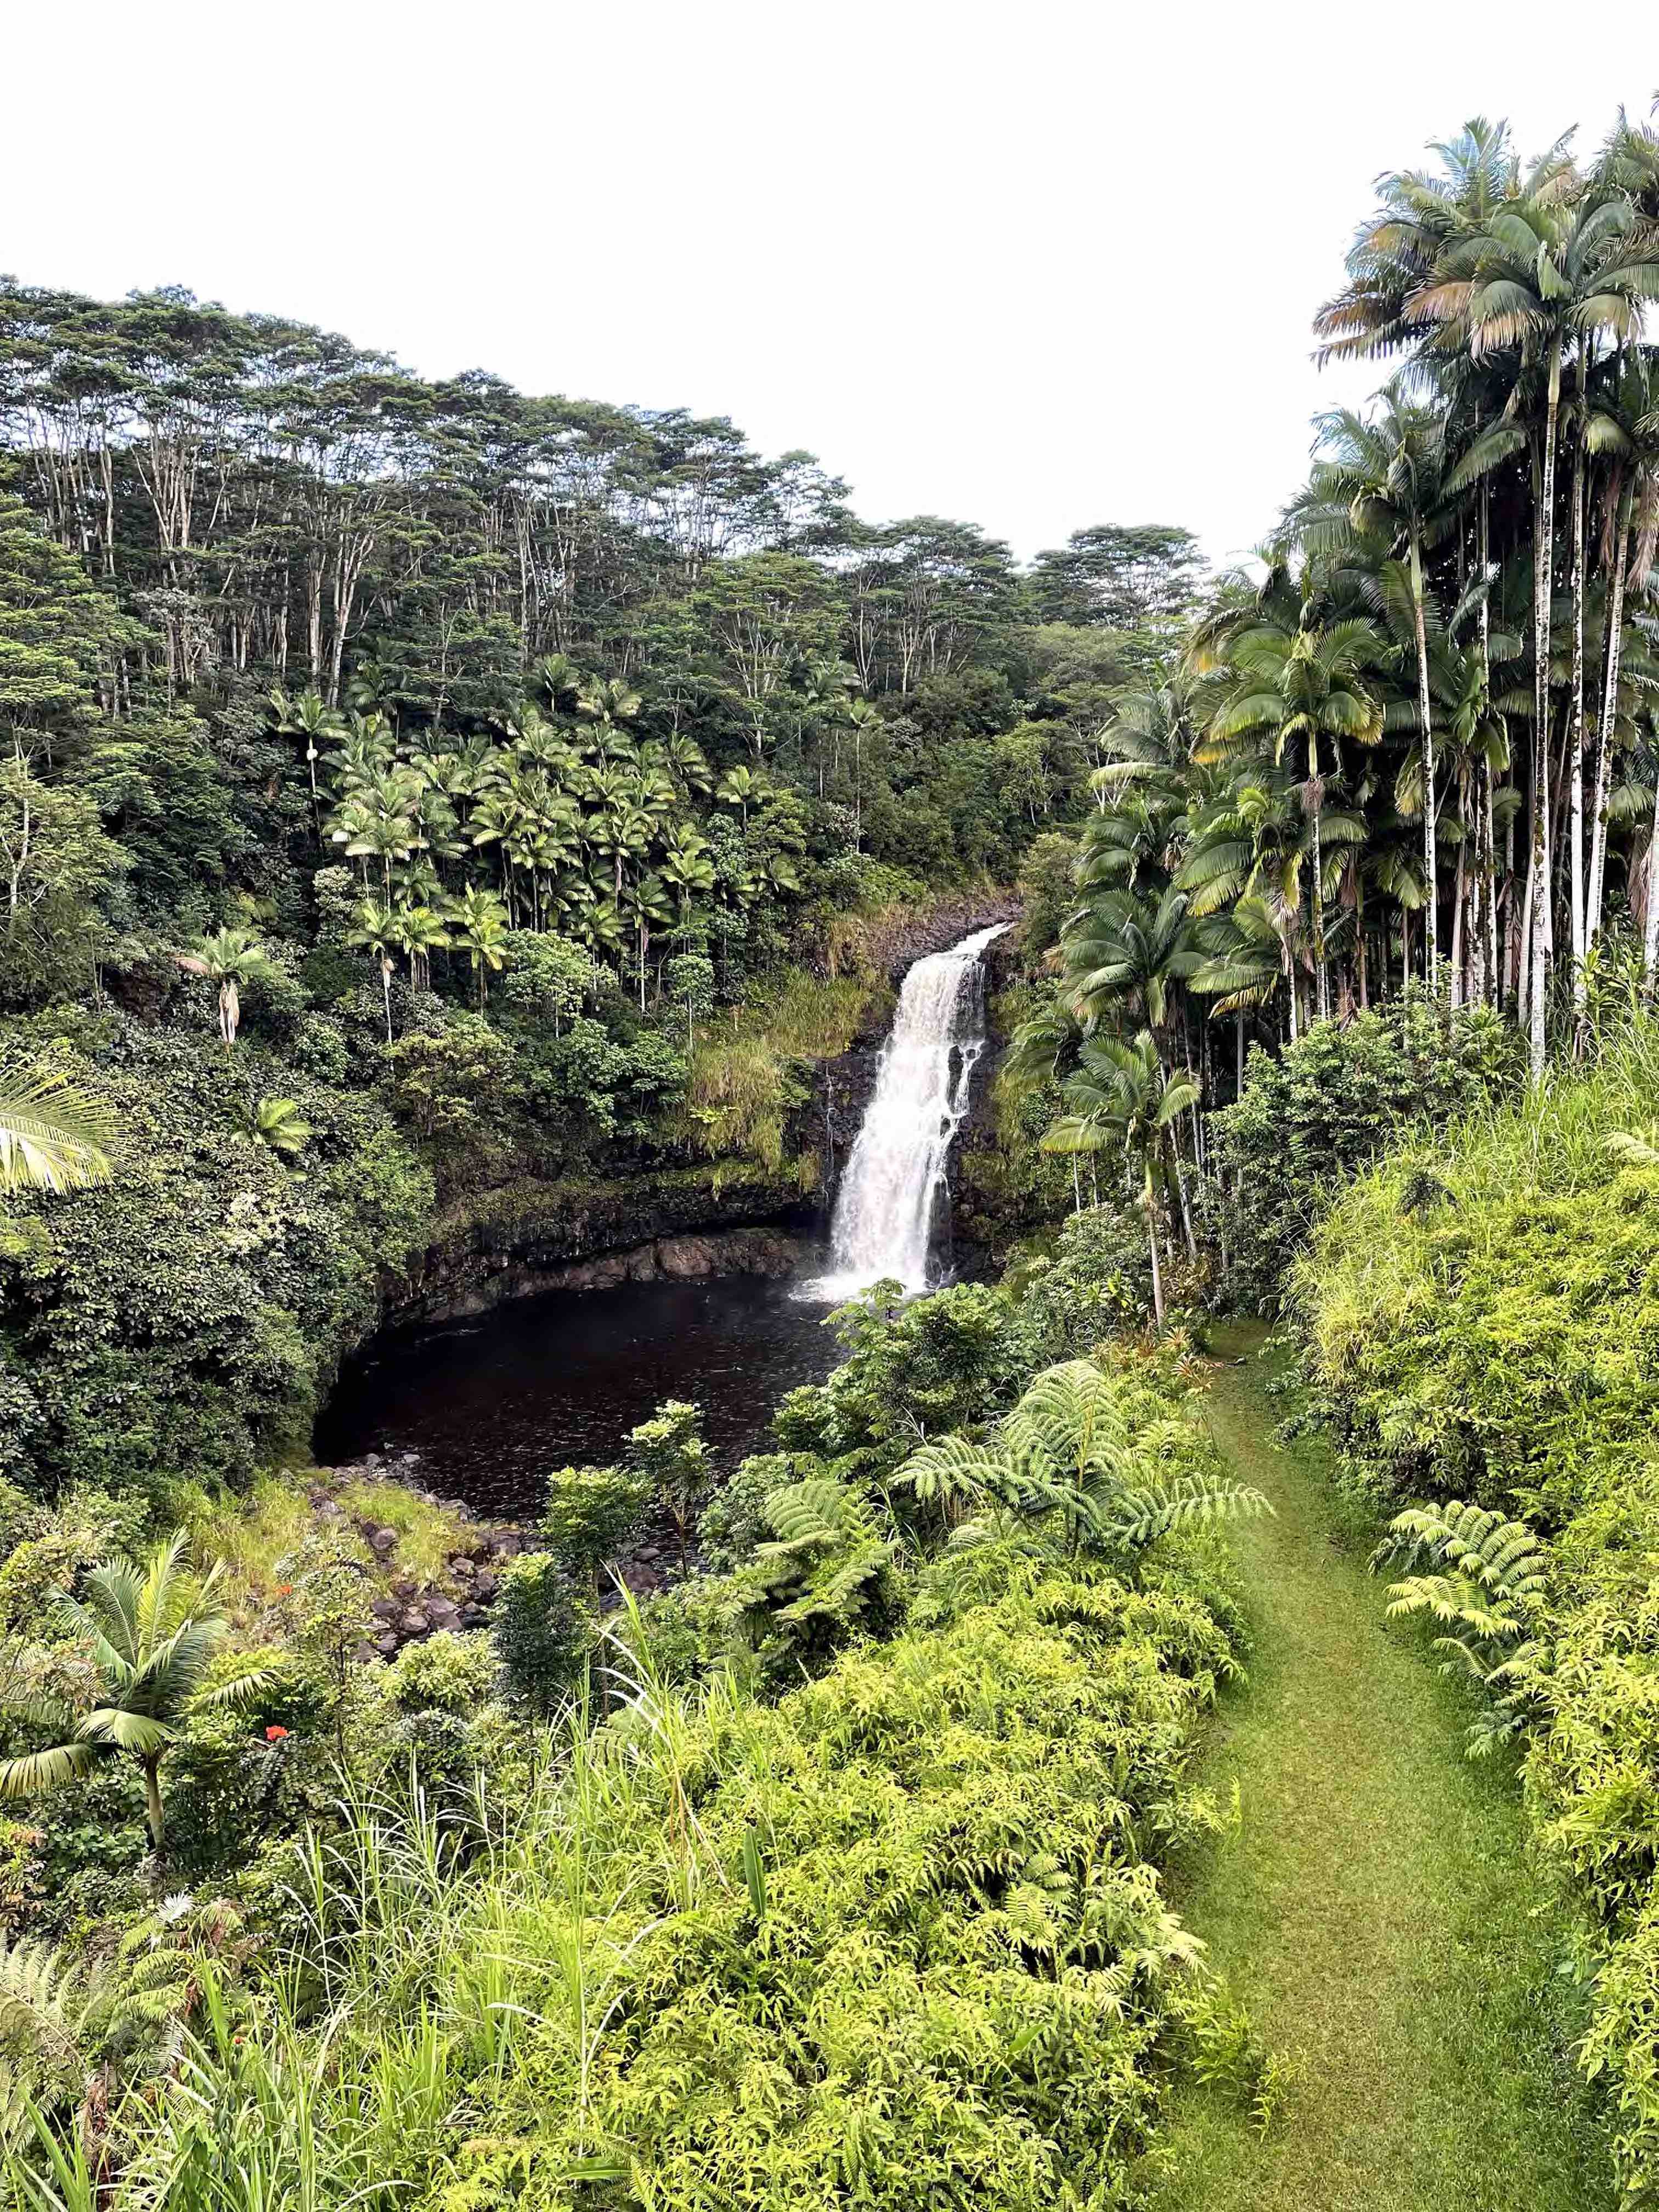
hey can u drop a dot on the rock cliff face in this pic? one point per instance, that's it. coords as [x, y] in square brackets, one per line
[548, 1235]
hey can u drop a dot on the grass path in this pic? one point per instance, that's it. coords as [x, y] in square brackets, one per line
[1373, 1908]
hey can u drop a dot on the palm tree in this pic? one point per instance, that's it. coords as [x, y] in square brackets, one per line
[1122, 950]
[279, 1123]
[480, 921]
[229, 958]
[686, 867]
[418, 932]
[609, 703]
[1288, 676]
[1386, 478]
[1556, 266]
[1121, 1094]
[153, 1632]
[52, 1131]
[308, 718]
[374, 929]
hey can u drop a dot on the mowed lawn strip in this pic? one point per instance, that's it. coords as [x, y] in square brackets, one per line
[1374, 1908]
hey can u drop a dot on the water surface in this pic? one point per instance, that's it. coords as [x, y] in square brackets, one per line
[491, 1403]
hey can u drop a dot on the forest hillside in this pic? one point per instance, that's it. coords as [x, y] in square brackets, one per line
[1092, 1752]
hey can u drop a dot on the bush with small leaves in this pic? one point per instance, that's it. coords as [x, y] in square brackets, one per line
[544, 1631]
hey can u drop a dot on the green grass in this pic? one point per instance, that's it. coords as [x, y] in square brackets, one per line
[1373, 1909]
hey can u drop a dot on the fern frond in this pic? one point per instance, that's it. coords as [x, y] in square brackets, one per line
[1137, 1517]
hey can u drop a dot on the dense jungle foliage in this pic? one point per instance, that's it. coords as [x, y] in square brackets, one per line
[416, 800]
[414, 797]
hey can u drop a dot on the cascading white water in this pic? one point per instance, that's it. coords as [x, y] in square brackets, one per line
[895, 1175]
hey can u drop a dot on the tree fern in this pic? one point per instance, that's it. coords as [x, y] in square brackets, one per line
[1097, 1455]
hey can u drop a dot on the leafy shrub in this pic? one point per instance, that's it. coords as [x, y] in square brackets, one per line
[1097, 1283]
[912, 1370]
[1330, 1103]
[905, 1921]
[543, 1630]
[182, 1320]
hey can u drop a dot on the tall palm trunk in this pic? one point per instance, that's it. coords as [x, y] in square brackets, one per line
[1543, 558]
[1609, 708]
[1321, 974]
[153, 1814]
[1578, 885]
[1151, 1238]
[1431, 941]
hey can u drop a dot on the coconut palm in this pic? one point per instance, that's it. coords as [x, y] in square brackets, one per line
[53, 1132]
[154, 1633]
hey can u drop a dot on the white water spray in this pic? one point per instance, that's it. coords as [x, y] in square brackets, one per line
[891, 1194]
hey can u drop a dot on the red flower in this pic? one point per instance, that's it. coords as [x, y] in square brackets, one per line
[284, 1589]
[275, 1734]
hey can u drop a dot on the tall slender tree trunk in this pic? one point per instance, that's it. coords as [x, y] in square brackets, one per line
[1321, 976]
[1492, 987]
[1609, 720]
[1543, 560]
[153, 1812]
[1578, 885]
[1460, 891]
[1431, 941]
[1151, 1239]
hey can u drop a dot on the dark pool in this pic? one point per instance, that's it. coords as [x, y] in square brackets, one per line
[491, 1404]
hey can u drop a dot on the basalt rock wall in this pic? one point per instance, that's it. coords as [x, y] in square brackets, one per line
[680, 1223]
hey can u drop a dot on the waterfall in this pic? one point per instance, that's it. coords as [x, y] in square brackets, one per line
[890, 1193]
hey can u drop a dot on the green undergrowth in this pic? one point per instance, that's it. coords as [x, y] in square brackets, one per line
[1374, 1907]
[751, 1066]
[1483, 1319]
[896, 1940]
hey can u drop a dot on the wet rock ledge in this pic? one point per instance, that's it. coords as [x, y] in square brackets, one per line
[679, 1225]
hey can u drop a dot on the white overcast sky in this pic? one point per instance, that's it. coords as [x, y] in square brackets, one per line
[1032, 266]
